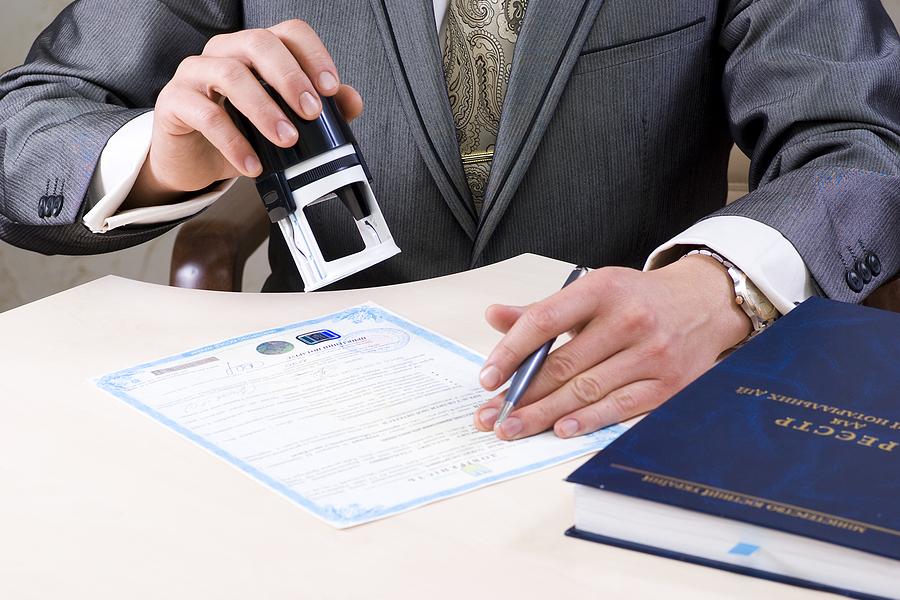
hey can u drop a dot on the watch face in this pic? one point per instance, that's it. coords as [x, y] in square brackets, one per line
[754, 302]
[761, 305]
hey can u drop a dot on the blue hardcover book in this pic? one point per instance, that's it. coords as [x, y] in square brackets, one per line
[781, 462]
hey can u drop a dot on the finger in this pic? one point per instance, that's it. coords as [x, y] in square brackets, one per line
[501, 317]
[233, 79]
[619, 405]
[561, 365]
[575, 330]
[581, 391]
[541, 322]
[349, 101]
[486, 414]
[597, 343]
[196, 112]
[311, 53]
[266, 54]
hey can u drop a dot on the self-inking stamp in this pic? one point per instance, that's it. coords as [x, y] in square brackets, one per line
[325, 165]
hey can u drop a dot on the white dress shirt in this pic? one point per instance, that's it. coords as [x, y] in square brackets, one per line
[767, 258]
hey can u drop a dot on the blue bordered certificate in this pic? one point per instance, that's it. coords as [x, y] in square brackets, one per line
[354, 416]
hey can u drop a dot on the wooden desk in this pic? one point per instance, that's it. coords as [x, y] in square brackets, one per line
[99, 501]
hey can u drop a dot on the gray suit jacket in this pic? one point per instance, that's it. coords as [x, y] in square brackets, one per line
[615, 133]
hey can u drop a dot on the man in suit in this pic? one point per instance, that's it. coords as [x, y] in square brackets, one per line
[591, 130]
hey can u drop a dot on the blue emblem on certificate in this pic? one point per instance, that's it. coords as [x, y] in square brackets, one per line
[317, 337]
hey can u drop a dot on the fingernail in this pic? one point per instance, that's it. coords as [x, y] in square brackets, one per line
[287, 133]
[569, 427]
[252, 165]
[309, 104]
[488, 416]
[327, 81]
[511, 427]
[490, 377]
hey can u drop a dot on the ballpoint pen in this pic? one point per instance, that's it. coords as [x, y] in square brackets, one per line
[531, 365]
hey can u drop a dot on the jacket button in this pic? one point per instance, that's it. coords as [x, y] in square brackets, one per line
[854, 281]
[874, 263]
[864, 271]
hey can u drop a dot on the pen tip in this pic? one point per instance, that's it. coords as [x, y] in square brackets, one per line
[504, 412]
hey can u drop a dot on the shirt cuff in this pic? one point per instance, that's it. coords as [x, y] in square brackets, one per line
[120, 163]
[765, 256]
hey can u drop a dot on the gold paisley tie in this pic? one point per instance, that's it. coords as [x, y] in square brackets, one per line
[481, 36]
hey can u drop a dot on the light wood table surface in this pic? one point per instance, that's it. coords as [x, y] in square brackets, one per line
[99, 501]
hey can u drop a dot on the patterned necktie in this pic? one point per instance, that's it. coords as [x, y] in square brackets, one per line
[481, 36]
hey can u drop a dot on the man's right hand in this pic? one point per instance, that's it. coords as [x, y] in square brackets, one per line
[195, 143]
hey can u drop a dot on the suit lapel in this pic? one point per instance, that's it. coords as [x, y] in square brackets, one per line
[548, 46]
[410, 37]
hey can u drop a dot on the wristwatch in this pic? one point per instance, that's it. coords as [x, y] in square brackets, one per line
[754, 303]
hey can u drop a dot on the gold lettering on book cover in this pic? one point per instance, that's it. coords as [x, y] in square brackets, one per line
[869, 441]
[851, 419]
[733, 497]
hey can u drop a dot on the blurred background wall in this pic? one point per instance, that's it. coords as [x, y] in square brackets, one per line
[25, 276]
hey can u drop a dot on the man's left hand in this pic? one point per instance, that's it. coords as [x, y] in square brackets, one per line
[637, 339]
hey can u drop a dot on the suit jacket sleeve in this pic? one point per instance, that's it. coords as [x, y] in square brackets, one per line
[813, 95]
[100, 64]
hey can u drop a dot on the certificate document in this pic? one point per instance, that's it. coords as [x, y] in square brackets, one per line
[354, 416]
